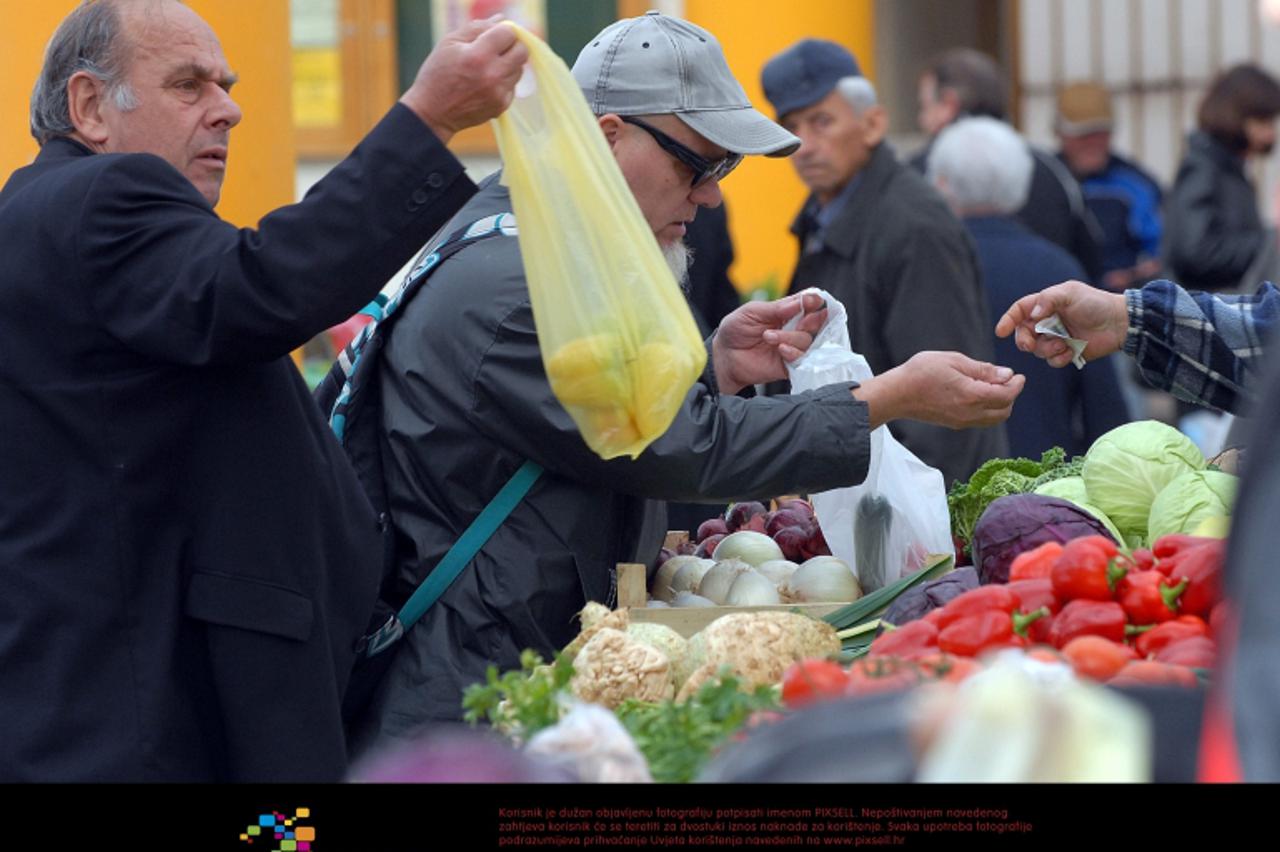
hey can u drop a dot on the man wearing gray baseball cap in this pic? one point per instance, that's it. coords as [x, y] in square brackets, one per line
[464, 401]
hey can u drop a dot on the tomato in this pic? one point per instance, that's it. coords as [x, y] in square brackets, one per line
[812, 680]
[1097, 658]
[881, 674]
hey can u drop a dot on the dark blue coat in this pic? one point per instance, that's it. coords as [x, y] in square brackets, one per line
[186, 556]
[1063, 407]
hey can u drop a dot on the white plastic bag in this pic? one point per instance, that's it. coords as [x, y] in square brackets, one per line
[887, 525]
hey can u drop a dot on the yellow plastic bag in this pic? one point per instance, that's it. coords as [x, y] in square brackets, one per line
[619, 345]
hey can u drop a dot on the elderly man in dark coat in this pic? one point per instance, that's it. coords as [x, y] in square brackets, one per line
[875, 236]
[186, 556]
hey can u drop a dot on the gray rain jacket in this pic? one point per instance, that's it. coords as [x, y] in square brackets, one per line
[465, 402]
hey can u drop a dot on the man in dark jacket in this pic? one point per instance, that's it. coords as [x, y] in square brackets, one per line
[1122, 196]
[465, 400]
[880, 240]
[186, 556]
[965, 82]
[1214, 238]
[983, 168]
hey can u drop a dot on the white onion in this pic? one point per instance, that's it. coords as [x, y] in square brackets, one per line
[716, 582]
[690, 599]
[751, 547]
[778, 570]
[823, 579]
[661, 588]
[690, 575]
[751, 588]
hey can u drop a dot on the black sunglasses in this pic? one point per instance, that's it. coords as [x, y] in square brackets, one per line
[702, 168]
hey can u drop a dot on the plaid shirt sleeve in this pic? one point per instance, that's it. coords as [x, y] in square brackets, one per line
[1204, 348]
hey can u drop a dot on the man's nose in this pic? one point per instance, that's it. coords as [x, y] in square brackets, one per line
[226, 113]
[707, 194]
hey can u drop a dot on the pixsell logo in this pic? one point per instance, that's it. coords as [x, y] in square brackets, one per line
[275, 832]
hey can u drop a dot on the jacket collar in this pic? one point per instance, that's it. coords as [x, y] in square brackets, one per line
[841, 235]
[1220, 154]
[61, 147]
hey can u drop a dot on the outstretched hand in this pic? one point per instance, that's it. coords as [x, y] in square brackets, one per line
[945, 388]
[1092, 315]
[750, 347]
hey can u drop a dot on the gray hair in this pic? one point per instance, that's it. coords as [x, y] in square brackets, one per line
[91, 39]
[858, 91]
[985, 163]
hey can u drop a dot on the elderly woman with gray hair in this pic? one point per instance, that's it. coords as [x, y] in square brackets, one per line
[983, 168]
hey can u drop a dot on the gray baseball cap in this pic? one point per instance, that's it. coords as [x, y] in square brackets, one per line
[656, 64]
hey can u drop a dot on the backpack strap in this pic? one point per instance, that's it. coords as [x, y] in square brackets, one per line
[345, 380]
[343, 389]
[458, 557]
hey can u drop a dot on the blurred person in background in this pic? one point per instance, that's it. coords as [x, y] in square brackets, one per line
[965, 82]
[879, 239]
[1214, 237]
[983, 168]
[1123, 197]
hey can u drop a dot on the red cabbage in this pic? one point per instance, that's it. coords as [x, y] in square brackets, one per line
[1021, 522]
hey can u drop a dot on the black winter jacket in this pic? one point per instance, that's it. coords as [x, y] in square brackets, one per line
[1212, 231]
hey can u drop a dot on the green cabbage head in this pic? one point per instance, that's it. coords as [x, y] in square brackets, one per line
[1127, 467]
[1071, 489]
[1189, 499]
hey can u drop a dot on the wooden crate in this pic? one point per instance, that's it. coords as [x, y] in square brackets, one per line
[633, 594]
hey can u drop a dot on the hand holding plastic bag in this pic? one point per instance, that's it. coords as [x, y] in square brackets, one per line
[885, 526]
[621, 349]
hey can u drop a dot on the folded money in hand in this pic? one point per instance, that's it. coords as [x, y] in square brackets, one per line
[1053, 327]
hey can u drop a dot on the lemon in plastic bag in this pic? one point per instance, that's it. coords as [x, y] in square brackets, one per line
[618, 342]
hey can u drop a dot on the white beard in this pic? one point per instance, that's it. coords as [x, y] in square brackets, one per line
[678, 257]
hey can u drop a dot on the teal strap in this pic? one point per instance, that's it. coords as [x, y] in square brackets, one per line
[469, 543]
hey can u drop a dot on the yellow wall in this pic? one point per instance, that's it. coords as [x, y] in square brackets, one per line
[255, 38]
[764, 194]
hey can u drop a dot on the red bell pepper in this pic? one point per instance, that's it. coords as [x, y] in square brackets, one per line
[1201, 567]
[1197, 652]
[914, 639]
[1175, 543]
[1035, 563]
[1088, 618]
[1148, 597]
[1140, 559]
[1086, 570]
[1219, 617]
[975, 602]
[1031, 595]
[1182, 627]
[973, 634]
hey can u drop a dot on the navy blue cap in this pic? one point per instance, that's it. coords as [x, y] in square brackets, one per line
[805, 73]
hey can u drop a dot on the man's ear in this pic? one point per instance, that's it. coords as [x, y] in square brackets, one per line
[875, 125]
[84, 104]
[611, 125]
